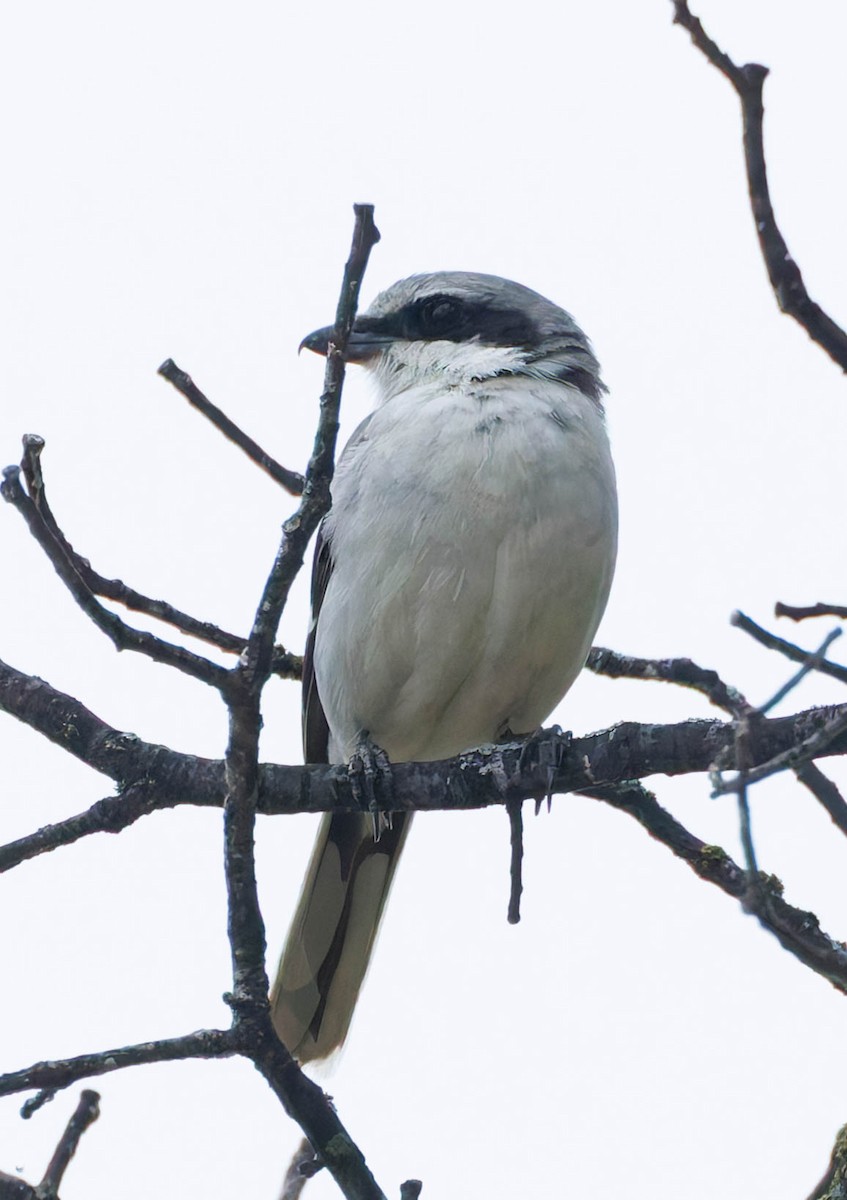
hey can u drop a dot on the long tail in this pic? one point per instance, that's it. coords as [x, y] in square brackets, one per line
[333, 932]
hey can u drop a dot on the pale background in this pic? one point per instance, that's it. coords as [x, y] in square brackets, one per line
[178, 182]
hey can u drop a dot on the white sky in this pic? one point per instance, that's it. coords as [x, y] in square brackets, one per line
[179, 180]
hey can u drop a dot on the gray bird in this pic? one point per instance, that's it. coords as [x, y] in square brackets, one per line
[458, 581]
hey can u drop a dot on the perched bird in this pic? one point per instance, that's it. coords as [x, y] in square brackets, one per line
[458, 581]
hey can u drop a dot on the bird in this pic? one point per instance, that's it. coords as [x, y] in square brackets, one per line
[458, 581]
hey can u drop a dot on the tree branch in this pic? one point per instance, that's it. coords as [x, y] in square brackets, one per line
[797, 931]
[825, 791]
[87, 1112]
[596, 765]
[784, 274]
[298, 530]
[812, 610]
[300, 1170]
[109, 815]
[302, 1099]
[252, 1034]
[681, 671]
[515, 812]
[124, 636]
[292, 481]
[626, 751]
[50, 1077]
[62, 554]
[811, 747]
[789, 649]
[14, 1188]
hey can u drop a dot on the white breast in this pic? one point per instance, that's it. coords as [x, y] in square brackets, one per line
[473, 536]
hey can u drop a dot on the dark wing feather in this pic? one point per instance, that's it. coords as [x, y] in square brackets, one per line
[315, 727]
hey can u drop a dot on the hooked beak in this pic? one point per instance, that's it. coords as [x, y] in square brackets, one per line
[364, 343]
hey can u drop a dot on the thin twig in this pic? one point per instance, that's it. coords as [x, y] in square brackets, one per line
[286, 665]
[109, 815]
[681, 671]
[298, 529]
[746, 828]
[784, 274]
[748, 773]
[789, 649]
[302, 1167]
[825, 791]
[60, 1073]
[123, 636]
[292, 481]
[515, 811]
[797, 931]
[87, 1112]
[811, 610]
[813, 661]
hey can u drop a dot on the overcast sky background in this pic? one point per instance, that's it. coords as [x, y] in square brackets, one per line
[178, 182]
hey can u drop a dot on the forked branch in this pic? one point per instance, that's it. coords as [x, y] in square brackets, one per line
[784, 274]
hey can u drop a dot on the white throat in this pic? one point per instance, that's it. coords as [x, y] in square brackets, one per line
[405, 365]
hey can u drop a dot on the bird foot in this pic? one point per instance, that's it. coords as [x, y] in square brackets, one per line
[546, 749]
[368, 769]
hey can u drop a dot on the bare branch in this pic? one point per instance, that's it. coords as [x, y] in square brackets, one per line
[286, 665]
[749, 773]
[602, 765]
[824, 790]
[121, 756]
[298, 530]
[668, 670]
[301, 1098]
[812, 663]
[789, 649]
[108, 815]
[124, 636]
[52, 1076]
[515, 869]
[302, 1167]
[87, 1112]
[784, 274]
[797, 931]
[813, 610]
[314, 1112]
[292, 481]
[626, 751]
[811, 747]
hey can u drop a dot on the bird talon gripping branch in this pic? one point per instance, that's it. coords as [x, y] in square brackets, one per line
[369, 771]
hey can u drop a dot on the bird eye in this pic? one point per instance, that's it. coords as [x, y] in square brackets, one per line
[438, 314]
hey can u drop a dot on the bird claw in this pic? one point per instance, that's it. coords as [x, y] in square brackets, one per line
[547, 749]
[369, 766]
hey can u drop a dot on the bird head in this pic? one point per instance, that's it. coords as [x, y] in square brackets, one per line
[458, 326]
